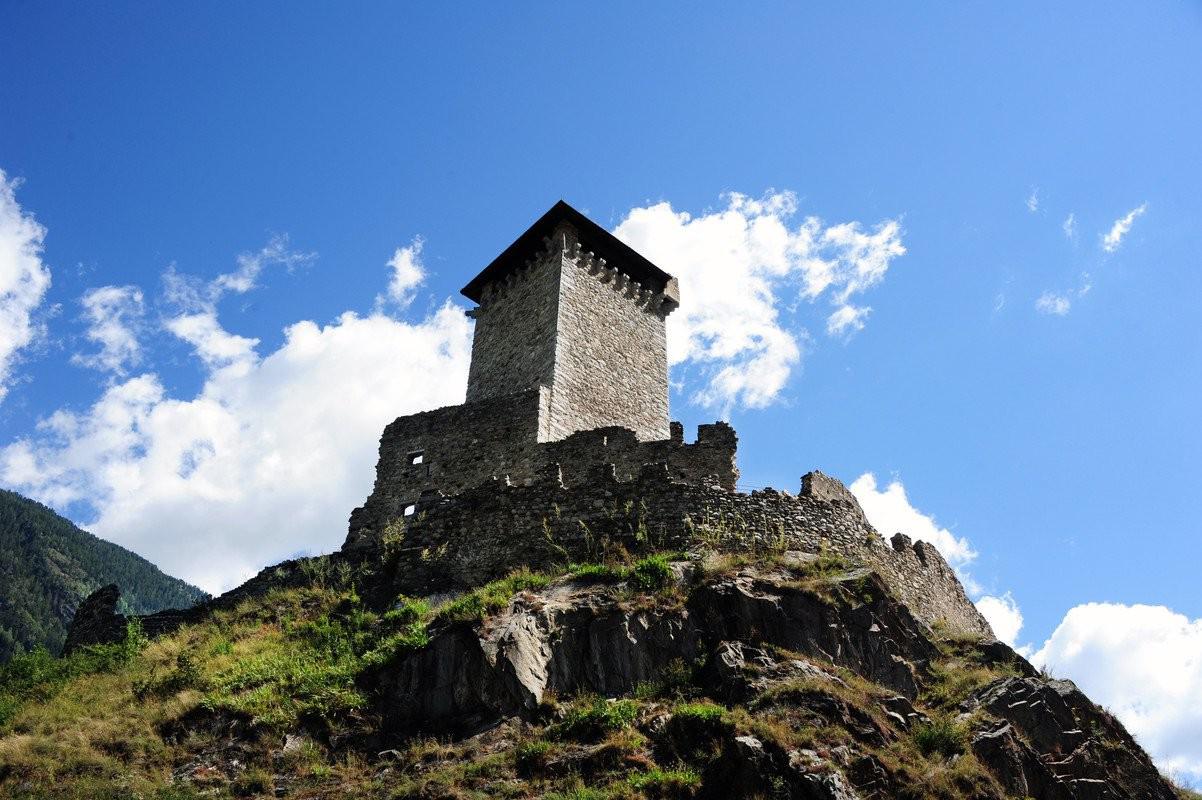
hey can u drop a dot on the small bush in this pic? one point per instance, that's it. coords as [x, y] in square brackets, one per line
[582, 793]
[666, 783]
[940, 735]
[595, 717]
[702, 713]
[652, 573]
[675, 680]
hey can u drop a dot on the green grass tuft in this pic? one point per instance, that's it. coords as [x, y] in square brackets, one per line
[593, 717]
[652, 573]
[490, 598]
[941, 736]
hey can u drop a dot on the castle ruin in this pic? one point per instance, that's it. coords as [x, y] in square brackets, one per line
[564, 446]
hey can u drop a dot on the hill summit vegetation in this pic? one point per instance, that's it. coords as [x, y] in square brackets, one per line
[50, 566]
[671, 675]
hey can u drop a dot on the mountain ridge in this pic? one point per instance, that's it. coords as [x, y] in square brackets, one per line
[51, 565]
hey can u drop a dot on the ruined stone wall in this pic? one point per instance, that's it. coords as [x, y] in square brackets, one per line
[462, 542]
[466, 445]
[611, 360]
[460, 446]
[513, 347]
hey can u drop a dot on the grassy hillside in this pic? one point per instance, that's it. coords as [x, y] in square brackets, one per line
[50, 565]
[274, 698]
[289, 693]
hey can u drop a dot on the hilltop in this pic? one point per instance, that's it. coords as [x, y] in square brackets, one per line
[709, 675]
[50, 565]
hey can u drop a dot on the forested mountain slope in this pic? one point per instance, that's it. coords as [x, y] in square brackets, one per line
[48, 565]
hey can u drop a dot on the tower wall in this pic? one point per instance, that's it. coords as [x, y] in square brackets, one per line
[611, 358]
[513, 347]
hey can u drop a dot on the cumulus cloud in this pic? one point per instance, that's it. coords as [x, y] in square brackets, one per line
[1033, 200]
[1114, 237]
[890, 511]
[408, 273]
[194, 305]
[1142, 662]
[114, 316]
[265, 461]
[743, 267]
[24, 279]
[1053, 303]
[1003, 615]
[268, 458]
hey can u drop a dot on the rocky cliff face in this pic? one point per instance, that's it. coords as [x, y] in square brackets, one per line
[808, 684]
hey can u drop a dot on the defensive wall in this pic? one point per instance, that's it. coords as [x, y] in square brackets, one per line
[458, 542]
[449, 450]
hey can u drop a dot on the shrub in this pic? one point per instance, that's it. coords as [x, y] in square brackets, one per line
[652, 573]
[941, 735]
[675, 680]
[595, 717]
[599, 573]
[709, 714]
[251, 783]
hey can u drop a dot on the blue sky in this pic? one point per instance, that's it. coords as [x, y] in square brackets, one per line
[1033, 385]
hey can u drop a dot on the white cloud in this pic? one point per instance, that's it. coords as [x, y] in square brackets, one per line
[251, 265]
[742, 268]
[1053, 303]
[214, 345]
[1060, 303]
[890, 512]
[24, 279]
[1114, 238]
[1069, 226]
[266, 460]
[114, 315]
[195, 305]
[1142, 662]
[1033, 200]
[1003, 615]
[408, 273]
[847, 319]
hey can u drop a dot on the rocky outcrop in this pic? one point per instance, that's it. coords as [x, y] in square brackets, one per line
[839, 653]
[1051, 741]
[576, 638]
[96, 620]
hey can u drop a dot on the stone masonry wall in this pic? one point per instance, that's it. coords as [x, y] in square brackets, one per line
[513, 346]
[461, 542]
[467, 445]
[611, 358]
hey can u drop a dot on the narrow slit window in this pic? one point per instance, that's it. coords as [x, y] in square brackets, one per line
[410, 509]
[417, 457]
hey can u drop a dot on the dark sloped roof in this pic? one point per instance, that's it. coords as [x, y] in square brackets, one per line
[592, 238]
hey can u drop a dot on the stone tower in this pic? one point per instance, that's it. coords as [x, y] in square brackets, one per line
[571, 311]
